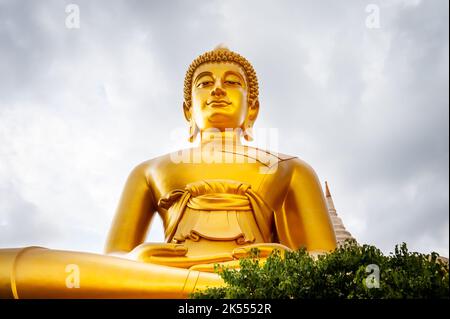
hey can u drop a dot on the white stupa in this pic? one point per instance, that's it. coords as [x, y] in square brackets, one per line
[342, 234]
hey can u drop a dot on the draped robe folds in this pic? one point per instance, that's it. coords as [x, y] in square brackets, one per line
[197, 210]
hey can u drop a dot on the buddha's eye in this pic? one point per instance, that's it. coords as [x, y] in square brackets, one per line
[204, 84]
[230, 82]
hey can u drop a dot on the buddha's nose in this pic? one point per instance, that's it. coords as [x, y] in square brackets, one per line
[218, 91]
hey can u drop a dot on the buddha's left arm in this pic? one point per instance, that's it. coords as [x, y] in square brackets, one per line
[304, 220]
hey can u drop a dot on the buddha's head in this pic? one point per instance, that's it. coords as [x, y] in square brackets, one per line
[220, 92]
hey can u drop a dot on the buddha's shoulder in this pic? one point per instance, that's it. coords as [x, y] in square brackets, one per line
[279, 156]
[147, 166]
[298, 169]
[292, 165]
[290, 161]
[158, 164]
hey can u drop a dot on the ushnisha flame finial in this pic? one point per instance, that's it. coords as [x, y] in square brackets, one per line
[221, 46]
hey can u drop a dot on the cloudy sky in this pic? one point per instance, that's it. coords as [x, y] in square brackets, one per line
[365, 102]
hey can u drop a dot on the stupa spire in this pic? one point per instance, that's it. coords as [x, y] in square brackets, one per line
[339, 229]
[329, 199]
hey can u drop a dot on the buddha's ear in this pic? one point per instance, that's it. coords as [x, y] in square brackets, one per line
[253, 111]
[247, 127]
[187, 111]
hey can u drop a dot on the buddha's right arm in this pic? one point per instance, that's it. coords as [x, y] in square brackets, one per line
[134, 213]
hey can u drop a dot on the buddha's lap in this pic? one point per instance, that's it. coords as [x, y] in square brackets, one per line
[203, 254]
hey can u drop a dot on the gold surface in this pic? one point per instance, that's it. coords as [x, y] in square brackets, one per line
[216, 201]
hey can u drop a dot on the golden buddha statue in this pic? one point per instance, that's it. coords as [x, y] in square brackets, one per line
[216, 200]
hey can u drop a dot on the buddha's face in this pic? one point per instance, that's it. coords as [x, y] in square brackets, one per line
[219, 96]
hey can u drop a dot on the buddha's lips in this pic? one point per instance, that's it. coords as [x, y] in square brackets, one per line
[218, 102]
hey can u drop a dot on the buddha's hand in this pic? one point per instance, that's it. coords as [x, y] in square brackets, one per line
[145, 251]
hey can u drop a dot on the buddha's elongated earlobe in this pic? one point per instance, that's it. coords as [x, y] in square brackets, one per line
[193, 130]
[247, 126]
[247, 130]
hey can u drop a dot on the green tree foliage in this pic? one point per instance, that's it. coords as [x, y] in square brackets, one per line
[342, 274]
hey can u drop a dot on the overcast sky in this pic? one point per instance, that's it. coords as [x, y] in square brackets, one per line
[367, 107]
